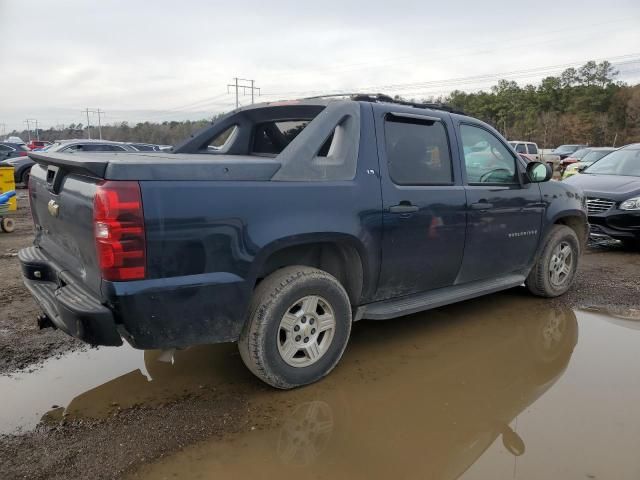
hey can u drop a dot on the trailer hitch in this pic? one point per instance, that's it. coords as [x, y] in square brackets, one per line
[45, 322]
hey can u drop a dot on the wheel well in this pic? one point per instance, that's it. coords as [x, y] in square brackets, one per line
[338, 259]
[577, 224]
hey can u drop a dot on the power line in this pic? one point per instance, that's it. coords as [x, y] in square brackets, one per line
[251, 87]
[504, 44]
[474, 79]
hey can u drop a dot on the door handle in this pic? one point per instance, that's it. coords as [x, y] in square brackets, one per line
[481, 205]
[404, 207]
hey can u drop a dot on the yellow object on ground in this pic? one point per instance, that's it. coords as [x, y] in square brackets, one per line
[572, 170]
[7, 184]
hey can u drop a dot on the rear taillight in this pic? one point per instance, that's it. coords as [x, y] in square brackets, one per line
[22, 153]
[119, 231]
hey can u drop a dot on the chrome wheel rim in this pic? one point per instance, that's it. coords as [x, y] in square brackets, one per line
[306, 331]
[561, 264]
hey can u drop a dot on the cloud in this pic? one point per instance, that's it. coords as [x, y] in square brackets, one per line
[144, 59]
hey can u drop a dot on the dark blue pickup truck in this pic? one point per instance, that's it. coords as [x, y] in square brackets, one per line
[282, 223]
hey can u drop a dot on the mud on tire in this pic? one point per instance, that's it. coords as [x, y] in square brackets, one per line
[263, 335]
[540, 280]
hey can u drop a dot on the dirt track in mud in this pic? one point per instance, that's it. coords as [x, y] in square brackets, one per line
[87, 413]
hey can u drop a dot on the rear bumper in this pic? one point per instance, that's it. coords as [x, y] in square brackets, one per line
[149, 314]
[69, 307]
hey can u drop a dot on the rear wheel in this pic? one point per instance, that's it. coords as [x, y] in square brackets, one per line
[298, 327]
[25, 177]
[631, 244]
[555, 269]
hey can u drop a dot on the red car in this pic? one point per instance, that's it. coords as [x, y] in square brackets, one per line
[37, 144]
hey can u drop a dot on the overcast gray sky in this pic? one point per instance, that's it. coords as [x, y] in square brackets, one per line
[161, 60]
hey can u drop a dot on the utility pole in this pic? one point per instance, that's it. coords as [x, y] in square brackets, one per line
[98, 112]
[28, 122]
[4, 129]
[88, 124]
[251, 87]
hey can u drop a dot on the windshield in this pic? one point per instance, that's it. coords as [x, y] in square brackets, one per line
[566, 149]
[594, 155]
[620, 162]
[580, 154]
[53, 147]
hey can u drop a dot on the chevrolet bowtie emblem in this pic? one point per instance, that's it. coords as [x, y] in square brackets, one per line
[53, 207]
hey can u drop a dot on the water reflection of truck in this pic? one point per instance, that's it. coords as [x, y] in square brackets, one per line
[418, 399]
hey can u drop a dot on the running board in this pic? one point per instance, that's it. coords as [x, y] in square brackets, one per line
[409, 304]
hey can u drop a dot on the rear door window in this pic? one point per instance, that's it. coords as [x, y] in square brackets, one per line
[417, 151]
[533, 150]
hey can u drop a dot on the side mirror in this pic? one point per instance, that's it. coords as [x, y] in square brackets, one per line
[539, 172]
[580, 168]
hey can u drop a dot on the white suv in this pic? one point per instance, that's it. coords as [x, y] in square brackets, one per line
[528, 149]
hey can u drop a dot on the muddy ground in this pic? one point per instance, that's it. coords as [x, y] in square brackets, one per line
[124, 437]
[22, 344]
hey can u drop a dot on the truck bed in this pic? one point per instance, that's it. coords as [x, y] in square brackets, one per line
[161, 166]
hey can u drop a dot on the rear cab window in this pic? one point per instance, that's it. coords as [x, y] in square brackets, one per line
[311, 141]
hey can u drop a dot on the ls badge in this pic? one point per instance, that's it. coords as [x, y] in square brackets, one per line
[53, 208]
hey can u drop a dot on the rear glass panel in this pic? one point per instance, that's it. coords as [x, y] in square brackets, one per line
[273, 137]
[221, 140]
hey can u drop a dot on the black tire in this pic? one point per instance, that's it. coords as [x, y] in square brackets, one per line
[261, 335]
[539, 281]
[7, 224]
[631, 244]
[24, 178]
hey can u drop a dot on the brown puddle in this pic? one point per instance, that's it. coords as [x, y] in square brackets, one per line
[502, 387]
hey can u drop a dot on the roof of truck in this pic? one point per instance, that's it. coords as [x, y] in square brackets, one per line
[355, 97]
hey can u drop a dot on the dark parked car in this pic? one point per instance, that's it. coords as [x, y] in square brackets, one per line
[563, 151]
[12, 150]
[23, 164]
[15, 155]
[593, 155]
[612, 188]
[281, 224]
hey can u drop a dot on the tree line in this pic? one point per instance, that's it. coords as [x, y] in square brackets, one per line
[165, 133]
[583, 105]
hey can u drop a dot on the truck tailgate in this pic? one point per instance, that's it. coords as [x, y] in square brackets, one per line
[62, 209]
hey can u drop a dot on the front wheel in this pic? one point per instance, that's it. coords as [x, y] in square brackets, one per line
[298, 327]
[554, 271]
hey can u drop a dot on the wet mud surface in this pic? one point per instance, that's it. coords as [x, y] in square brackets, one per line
[22, 344]
[507, 386]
